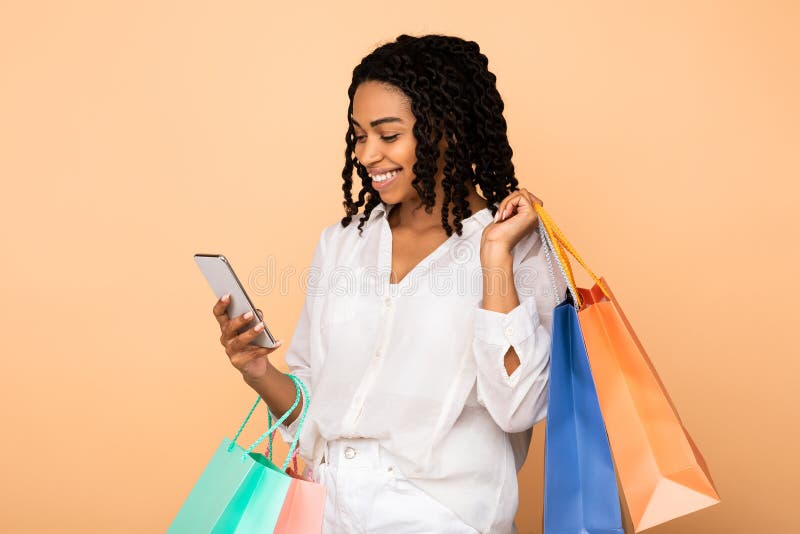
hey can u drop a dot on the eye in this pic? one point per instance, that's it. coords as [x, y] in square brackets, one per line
[388, 138]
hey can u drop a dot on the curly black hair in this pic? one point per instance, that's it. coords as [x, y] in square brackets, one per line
[448, 83]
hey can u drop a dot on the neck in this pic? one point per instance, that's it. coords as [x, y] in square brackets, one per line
[412, 215]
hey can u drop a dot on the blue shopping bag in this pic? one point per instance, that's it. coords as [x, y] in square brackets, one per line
[580, 486]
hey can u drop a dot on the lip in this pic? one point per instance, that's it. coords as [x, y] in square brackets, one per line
[386, 183]
[375, 172]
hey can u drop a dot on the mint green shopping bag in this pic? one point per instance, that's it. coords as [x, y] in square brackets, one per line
[240, 491]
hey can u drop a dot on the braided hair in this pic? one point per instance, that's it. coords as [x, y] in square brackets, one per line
[448, 83]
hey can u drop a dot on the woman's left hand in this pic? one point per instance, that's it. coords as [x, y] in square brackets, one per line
[520, 220]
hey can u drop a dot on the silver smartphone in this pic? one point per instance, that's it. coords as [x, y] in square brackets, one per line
[222, 279]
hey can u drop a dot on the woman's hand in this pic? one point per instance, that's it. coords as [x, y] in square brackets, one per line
[520, 219]
[250, 360]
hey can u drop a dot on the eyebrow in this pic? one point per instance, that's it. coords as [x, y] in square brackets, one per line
[379, 121]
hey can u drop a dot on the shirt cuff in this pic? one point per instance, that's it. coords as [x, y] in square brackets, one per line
[506, 330]
[513, 327]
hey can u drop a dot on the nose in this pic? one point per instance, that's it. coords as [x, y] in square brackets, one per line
[369, 152]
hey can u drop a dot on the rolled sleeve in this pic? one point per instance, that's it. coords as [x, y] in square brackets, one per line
[507, 330]
[518, 401]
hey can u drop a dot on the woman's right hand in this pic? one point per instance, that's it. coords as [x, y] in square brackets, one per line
[251, 360]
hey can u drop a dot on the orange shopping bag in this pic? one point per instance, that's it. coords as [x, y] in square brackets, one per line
[661, 471]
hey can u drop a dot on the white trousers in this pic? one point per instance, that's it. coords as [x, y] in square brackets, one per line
[367, 493]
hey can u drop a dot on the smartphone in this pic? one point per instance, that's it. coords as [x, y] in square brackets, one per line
[222, 279]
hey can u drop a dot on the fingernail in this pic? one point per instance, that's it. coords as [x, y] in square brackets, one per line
[225, 297]
[279, 343]
[248, 315]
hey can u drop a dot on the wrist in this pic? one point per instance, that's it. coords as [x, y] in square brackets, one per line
[258, 382]
[495, 254]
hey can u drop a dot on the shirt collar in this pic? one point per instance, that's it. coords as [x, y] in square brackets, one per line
[381, 209]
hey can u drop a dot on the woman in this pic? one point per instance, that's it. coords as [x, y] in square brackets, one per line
[424, 337]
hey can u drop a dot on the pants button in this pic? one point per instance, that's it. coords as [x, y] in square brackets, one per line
[349, 453]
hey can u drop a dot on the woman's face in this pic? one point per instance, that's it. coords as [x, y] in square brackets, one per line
[385, 140]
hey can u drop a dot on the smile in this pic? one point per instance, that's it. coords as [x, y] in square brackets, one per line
[384, 180]
[385, 176]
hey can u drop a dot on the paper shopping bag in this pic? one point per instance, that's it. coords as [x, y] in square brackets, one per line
[303, 508]
[580, 487]
[304, 505]
[240, 491]
[661, 471]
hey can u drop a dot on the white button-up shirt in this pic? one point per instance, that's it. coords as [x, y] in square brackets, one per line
[419, 365]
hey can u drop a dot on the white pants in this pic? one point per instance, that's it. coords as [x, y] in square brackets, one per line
[367, 493]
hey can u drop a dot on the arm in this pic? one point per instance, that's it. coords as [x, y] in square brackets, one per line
[298, 357]
[512, 335]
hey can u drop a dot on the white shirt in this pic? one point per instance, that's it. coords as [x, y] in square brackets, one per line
[419, 364]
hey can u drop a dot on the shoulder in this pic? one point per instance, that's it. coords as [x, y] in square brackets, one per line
[337, 230]
[336, 235]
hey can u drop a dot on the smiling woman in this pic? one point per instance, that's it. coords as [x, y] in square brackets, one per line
[425, 374]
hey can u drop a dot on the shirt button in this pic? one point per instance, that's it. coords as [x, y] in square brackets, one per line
[509, 331]
[349, 453]
[378, 354]
[388, 301]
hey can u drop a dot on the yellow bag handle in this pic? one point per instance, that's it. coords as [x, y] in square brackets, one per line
[560, 242]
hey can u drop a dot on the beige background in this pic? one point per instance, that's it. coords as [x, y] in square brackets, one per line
[663, 137]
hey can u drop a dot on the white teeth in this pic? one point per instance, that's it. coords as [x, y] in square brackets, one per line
[383, 177]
